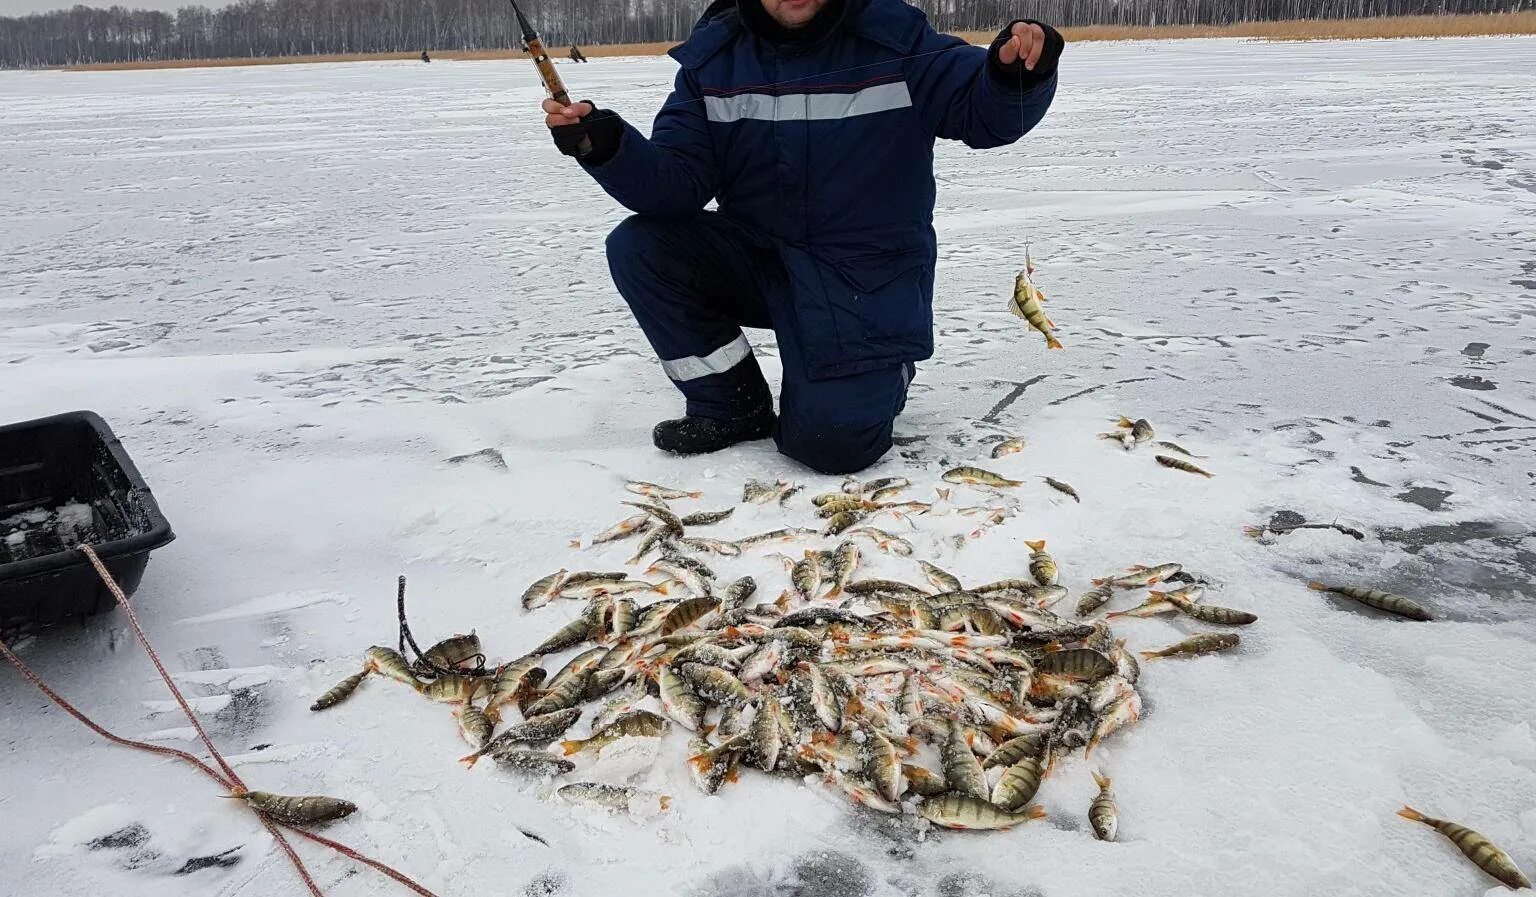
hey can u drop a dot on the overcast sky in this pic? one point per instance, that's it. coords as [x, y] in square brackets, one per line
[22, 7]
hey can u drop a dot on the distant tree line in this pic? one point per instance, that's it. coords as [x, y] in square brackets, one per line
[297, 27]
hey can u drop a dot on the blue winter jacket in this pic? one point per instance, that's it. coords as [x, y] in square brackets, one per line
[826, 152]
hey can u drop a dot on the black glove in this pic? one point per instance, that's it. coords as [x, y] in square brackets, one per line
[1015, 74]
[602, 127]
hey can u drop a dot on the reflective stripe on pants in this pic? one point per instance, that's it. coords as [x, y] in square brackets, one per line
[692, 367]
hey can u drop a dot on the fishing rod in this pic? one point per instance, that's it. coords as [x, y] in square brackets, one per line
[541, 61]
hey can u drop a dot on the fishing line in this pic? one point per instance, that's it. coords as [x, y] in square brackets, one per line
[1023, 127]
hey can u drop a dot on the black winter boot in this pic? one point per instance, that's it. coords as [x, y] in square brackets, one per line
[701, 435]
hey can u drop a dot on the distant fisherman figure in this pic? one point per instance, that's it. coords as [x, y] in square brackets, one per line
[813, 123]
[425, 57]
[577, 55]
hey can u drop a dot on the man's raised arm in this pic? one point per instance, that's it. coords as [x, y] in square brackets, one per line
[673, 174]
[988, 97]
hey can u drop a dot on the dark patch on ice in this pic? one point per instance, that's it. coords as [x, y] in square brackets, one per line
[1427, 497]
[127, 836]
[1503, 428]
[206, 658]
[1528, 268]
[244, 712]
[1511, 412]
[488, 456]
[828, 873]
[517, 383]
[909, 440]
[1481, 571]
[1487, 418]
[1359, 476]
[132, 838]
[1072, 823]
[1012, 396]
[1475, 350]
[260, 747]
[546, 884]
[224, 860]
[742, 881]
[1416, 539]
[1525, 559]
[971, 884]
[1282, 519]
[1474, 383]
[533, 837]
[1293, 424]
[1093, 389]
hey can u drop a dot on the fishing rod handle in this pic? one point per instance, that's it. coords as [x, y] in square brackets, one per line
[552, 82]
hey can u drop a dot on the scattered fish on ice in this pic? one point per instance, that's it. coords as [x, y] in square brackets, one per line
[839, 680]
[883, 691]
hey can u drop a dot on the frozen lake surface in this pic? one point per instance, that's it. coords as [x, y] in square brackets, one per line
[296, 291]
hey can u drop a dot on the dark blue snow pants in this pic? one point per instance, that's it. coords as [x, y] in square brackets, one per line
[692, 284]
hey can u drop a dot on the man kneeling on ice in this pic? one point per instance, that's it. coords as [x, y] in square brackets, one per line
[813, 123]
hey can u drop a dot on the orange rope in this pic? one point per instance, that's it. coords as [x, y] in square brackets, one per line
[232, 783]
[270, 826]
[138, 633]
[346, 851]
[158, 749]
[293, 855]
[126, 742]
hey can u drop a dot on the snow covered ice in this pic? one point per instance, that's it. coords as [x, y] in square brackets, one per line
[296, 291]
